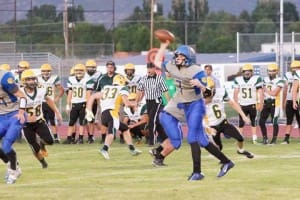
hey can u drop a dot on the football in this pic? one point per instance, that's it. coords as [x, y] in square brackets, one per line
[164, 35]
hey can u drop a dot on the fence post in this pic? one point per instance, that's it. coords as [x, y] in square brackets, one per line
[237, 47]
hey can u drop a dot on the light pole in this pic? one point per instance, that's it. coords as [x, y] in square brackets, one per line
[281, 38]
[66, 28]
[153, 10]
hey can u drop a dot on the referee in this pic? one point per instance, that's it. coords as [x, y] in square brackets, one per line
[152, 87]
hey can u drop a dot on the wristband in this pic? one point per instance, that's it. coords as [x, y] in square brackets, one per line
[23, 103]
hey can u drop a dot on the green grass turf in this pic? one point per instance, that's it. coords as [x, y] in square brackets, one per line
[80, 172]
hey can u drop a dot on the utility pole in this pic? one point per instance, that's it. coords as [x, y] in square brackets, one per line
[15, 24]
[281, 39]
[72, 24]
[153, 10]
[65, 28]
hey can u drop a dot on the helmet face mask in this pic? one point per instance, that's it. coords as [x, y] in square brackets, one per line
[29, 79]
[46, 74]
[119, 80]
[247, 74]
[31, 82]
[79, 74]
[23, 65]
[272, 73]
[272, 70]
[180, 60]
[46, 71]
[90, 70]
[188, 53]
[79, 71]
[129, 72]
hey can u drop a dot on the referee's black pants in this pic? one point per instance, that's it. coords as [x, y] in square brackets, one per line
[153, 108]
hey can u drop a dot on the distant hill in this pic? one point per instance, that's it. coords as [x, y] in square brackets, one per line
[99, 10]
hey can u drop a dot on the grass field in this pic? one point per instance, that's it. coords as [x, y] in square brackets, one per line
[80, 172]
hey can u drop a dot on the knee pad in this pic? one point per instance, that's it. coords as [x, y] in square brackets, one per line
[172, 127]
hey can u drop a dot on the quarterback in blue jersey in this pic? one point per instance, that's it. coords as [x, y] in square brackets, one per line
[186, 105]
[12, 117]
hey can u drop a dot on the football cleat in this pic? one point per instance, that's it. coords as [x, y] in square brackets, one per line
[104, 154]
[135, 152]
[91, 140]
[13, 175]
[273, 141]
[79, 141]
[158, 162]
[285, 142]
[265, 141]
[44, 164]
[9, 170]
[225, 168]
[56, 141]
[196, 177]
[153, 152]
[246, 153]
[68, 141]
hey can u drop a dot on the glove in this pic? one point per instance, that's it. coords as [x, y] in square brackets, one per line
[89, 116]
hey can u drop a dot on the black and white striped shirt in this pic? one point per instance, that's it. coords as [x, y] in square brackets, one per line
[153, 86]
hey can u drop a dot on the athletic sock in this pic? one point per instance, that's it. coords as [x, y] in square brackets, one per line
[105, 147]
[217, 153]
[12, 157]
[159, 148]
[103, 136]
[287, 137]
[131, 147]
[3, 156]
[196, 156]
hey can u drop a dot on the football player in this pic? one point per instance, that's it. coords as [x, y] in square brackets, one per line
[54, 90]
[216, 119]
[22, 65]
[136, 118]
[272, 87]
[111, 98]
[186, 105]
[36, 125]
[12, 117]
[287, 101]
[248, 94]
[92, 75]
[5, 67]
[78, 94]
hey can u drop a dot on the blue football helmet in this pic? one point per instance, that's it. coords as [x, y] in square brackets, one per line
[189, 54]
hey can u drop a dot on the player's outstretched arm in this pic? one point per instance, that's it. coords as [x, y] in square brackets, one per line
[53, 107]
[22, 107]
[295, 94]
[238, 108]
[160, 54]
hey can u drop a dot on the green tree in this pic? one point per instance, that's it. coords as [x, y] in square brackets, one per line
[218, 33]
[132, 38]
[88, 33]
[266, 10]
[290, 12]
[75, 14]
[45, 12]
[198, 9]
[294, 27]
